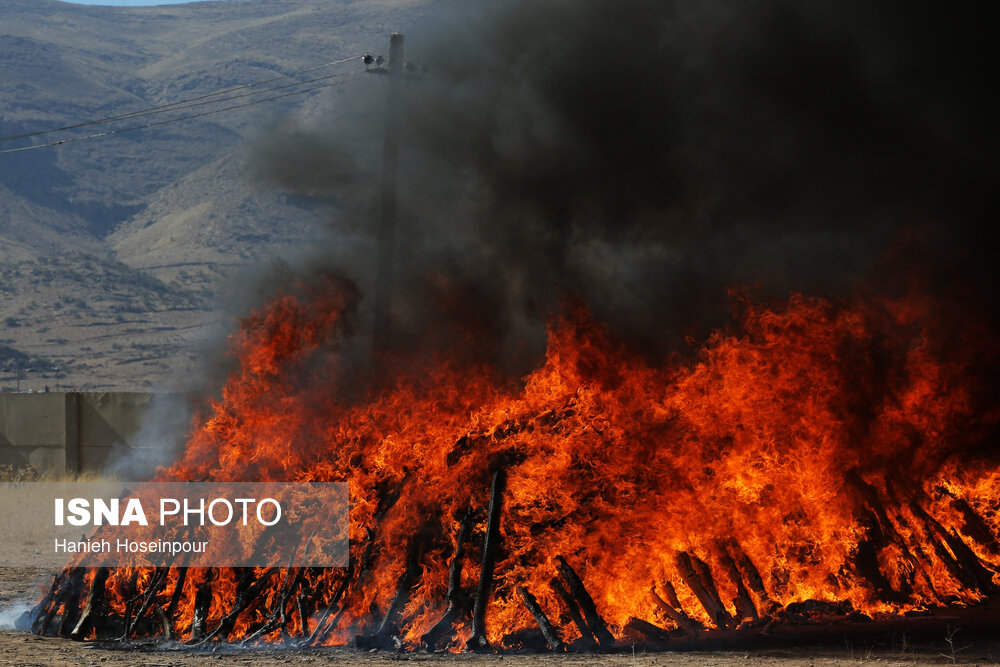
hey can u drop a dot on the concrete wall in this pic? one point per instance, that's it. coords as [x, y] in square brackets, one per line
[33, 431]
[78, 432]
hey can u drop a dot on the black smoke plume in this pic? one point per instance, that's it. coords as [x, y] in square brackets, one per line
[642, 156]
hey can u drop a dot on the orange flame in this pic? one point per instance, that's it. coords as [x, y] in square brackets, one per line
[817, 446]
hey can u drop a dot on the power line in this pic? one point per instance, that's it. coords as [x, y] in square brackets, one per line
[177, 120]
[185, 103]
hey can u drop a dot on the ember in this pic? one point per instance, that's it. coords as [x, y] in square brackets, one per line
[816, 461]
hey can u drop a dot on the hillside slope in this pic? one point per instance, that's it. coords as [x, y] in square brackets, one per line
[115, 252]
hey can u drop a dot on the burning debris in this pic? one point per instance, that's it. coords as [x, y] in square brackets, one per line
[661, 477]
[812, 465]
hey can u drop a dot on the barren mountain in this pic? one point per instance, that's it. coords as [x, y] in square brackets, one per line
[115, 251]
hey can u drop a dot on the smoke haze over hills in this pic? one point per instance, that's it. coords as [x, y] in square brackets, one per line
[643, 156]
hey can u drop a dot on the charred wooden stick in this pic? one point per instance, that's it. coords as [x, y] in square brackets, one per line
[158, 581]
[880, 532]
[694, 581]
[71, 603]
[916, 561]
[165, 624]
[277, 618]
[283, 619]
[247, 592]
[31, 619]
[745, 607]
[548, 630]
[916, 542]
[646, 631]
[244, 583]
[491, 545]
[673, 610]
[386, 636]
[388, 629]
[375, 616]
[458, 600]
[575, 615]
[595, 623]
[287, 595]
[182, 572]
[975, 527]
[62, 588]
[754, 580]
[965, 565]
[873, 500]
[202, 606]
[300, 604]
[175, 598]
[386, 502]
[968, 559]
[131, 599]
[321, 630]
[922, 557]
[96, 608]
[866, 560]
[671, 594]
[953, 566]
[705, 572]
[389, 625]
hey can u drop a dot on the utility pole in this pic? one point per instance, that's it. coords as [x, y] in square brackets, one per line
[387, 222]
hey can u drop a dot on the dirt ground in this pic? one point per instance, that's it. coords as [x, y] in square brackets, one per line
[19, 588]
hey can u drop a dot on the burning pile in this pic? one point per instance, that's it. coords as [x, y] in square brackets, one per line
[821, 458]
[818, 459]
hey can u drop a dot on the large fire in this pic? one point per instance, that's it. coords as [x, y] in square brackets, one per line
[818, 450]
